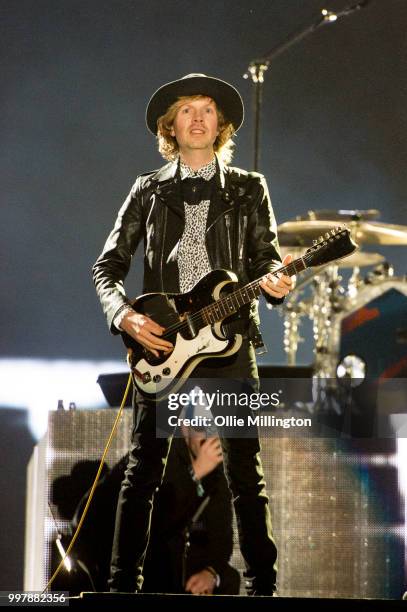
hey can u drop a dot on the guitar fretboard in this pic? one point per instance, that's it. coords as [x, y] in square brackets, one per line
[231, 303]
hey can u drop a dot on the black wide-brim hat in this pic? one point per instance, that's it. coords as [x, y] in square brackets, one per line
[227, 98]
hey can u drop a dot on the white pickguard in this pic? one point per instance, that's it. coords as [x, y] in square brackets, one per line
[200, 347]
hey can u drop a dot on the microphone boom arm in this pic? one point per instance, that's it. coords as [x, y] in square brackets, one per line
[257, 67]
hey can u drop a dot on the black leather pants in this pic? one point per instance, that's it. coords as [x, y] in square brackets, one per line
[144, 474]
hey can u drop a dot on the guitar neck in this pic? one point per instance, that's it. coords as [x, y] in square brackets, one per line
[231, 303]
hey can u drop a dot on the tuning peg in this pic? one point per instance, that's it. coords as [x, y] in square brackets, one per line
[333, 232]
[314, 242]
[320, 238]
[327, 235]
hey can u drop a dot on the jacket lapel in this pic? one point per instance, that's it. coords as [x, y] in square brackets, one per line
[222, 199]
[166, 186]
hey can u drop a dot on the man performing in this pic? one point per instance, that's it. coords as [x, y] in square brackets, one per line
[195, 214]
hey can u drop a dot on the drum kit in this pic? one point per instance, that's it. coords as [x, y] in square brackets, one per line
[357, 320]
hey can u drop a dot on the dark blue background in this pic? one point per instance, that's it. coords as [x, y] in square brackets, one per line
[76, 77]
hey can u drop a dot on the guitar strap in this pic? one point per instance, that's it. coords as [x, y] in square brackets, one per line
[256, 338]
[253, 333]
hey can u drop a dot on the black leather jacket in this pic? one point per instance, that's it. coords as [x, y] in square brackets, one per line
[240, 236]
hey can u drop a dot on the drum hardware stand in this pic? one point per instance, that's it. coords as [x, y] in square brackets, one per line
[355, 282]
[257, 67]
[291, 334]
[383, 271]
[328, 301]
[293, 310]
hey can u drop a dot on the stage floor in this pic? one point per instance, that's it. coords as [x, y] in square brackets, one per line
[236, 602]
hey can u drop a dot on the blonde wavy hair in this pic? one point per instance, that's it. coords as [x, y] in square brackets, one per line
[168, 145]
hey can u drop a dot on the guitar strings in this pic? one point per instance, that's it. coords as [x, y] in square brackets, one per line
[183, 325]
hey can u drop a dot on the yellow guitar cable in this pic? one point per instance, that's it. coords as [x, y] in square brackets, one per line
[85, 510]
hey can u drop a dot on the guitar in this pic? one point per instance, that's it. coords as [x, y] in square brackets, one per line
[193, 320]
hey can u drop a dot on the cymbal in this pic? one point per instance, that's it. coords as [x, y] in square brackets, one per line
[358, 259]
[379, 233]
[339, 215]
[302, 233]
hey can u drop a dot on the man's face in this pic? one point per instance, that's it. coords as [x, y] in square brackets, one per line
[196, 125]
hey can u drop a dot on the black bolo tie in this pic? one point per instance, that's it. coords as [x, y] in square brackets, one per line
[194, 190]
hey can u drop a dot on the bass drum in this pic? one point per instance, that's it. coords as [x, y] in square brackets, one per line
[374, 328]
[372, 353]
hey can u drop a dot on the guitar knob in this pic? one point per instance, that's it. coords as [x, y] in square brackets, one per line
[167, 371]
[157, 378]
[146, 377]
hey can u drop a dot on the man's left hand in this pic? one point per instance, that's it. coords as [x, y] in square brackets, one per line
[277, 285]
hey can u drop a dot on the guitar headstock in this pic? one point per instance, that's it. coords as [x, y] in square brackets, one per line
[333, 245]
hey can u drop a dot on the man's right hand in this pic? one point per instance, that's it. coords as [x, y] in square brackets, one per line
[145, 331]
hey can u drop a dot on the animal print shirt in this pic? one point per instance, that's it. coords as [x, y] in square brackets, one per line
[193, 261]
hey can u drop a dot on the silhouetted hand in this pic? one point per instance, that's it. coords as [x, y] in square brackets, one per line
[208, 456]
[202, 583]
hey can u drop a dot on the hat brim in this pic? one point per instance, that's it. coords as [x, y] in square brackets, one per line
[227, 98]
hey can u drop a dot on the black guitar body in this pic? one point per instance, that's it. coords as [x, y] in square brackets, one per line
[190, 329]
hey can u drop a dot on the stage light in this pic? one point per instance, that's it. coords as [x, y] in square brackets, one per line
[37, 385]
[329, 15]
